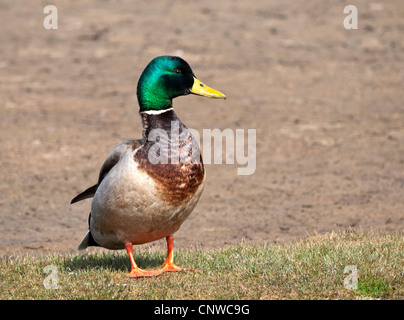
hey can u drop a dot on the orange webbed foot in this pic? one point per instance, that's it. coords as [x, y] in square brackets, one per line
[140, 273]
[168, 265]
[174, 268]
[135, 271]
[171, 267]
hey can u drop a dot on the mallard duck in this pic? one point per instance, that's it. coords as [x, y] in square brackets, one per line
[147, 188]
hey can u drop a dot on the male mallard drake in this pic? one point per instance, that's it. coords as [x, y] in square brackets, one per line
[148, 187]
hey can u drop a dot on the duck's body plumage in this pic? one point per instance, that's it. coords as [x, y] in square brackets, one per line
[147, 188]
[140, 202]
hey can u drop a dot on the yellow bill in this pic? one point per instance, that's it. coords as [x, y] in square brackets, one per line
[203, 90]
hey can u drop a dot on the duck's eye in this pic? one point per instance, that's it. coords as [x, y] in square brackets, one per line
[177, 71]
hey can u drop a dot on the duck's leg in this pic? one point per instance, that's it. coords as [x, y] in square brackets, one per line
[135, 271]
[169, 265]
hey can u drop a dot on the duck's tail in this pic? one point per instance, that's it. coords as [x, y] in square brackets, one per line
[87, 241]
[88, 193]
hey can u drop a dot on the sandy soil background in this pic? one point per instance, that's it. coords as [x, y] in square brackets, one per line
[327, 104]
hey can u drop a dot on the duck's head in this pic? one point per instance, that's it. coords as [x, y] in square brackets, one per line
[166, 78]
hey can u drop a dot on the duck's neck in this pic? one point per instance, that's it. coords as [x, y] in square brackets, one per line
[165, 134]
[158, 120]
[152, 103]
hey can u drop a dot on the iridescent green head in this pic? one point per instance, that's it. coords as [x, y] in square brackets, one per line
[166, 78]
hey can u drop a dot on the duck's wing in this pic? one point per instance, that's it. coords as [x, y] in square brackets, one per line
[109, 163]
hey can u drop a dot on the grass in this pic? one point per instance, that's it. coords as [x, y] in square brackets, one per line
[312, 268]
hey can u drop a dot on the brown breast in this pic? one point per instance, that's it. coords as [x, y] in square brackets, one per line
[177, 183]
[179, 178]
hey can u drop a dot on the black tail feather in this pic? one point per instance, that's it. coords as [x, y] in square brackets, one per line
[89, 193]
[88, 241]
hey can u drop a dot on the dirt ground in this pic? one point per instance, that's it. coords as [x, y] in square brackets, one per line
[327, 104]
